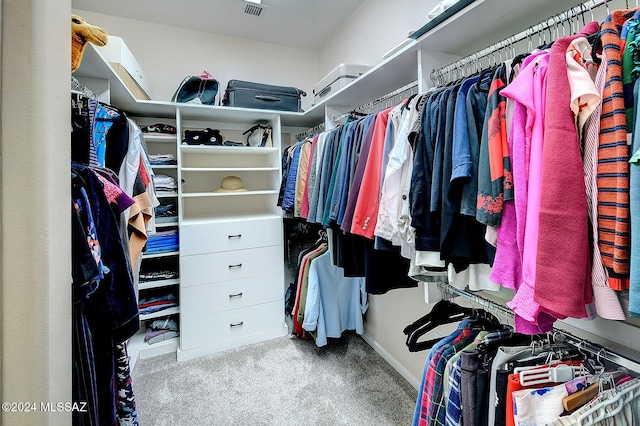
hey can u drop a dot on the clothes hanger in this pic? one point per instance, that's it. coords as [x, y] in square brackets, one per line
[619, 399]
[576, 400]
[443, 312]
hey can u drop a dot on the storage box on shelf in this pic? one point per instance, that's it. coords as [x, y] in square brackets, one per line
[127, 67]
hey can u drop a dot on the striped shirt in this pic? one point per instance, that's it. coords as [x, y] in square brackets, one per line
[613, 154]
[607, 303]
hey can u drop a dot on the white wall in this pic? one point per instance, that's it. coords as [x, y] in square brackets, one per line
[375, 27]
[168, 54]
[35, 275]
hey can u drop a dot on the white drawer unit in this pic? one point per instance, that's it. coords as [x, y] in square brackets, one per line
[228, 295]
[230, 235]
[218, 328]
[230, 265]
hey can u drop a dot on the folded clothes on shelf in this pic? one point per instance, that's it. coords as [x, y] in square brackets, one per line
[156, 301]
[155, 336]
[167, 323]
[167, 210]
[163, 241]
[162, 159]
[159, 128]
[164, 183]
[157, 275]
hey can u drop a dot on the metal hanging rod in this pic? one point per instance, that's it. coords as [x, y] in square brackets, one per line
[383, 102]
[558, 334]
[395, 97]
[311, 131]
[465, 66]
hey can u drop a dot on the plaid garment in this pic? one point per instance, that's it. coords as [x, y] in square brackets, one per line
[432, 401]
[436, 350]
[454, 404]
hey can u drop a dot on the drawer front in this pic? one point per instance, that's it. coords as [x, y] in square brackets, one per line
[230, 265]
[208, 329]
[227, 295]
[231, 235]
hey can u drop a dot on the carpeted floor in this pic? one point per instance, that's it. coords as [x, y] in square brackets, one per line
[285, 381]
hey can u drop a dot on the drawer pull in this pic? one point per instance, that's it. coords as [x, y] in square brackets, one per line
[231, 296]
[235, 236]
[236, 324]
[239, 265]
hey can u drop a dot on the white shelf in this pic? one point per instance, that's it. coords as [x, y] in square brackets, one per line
[138, 349]
[165, 167]
[229, 194]
[146, 285]
[229, 169]
[163, 313]
[160, 137]
[167, 224]
[157, 255]
[226, 150]
[166, 194]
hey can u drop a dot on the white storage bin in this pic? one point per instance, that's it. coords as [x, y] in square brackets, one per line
[125, 65]
[339, 77]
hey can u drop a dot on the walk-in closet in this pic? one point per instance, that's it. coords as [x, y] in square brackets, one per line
[352, 212]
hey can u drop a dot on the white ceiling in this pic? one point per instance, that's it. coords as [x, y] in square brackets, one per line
[305, 24]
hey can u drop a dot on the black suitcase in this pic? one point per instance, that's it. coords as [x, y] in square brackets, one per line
[245, 94]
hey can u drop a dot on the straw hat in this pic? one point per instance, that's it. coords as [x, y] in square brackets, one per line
[231, 184]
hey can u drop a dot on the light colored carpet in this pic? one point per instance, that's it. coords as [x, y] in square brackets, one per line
[285, 381]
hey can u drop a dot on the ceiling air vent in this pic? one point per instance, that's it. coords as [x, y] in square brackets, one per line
[252, 9]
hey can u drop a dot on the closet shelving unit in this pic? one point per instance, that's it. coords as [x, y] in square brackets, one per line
[209, 221]
[137, 347]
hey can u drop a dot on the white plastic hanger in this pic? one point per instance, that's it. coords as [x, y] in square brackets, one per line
[552, 374]
[619, 399]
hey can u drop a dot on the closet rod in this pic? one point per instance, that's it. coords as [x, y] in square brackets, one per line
[583, 345]
[552, 21]
[403, 91]
[319, 128]
[383, 102]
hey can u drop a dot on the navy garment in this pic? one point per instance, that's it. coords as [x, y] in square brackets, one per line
[286, 163]
[111, 311]
[84, 270]
[385, 270]
[438, 131]
[288, 200]
[117, 142]
[426, 224]
[461, 237]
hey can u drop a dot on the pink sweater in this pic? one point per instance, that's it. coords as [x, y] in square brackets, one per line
[526, 138]
[563, 268]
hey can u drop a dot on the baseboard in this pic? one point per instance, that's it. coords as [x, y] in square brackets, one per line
[392, 361]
